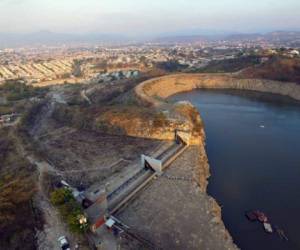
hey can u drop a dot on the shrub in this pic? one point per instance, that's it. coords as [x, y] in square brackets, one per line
[15, 91]
[160, 120]
[61, 196]
[69, 209]
[171, 66]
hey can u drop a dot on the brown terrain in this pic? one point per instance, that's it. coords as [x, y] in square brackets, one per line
[89, 144]
[95, 134]
[278, 69]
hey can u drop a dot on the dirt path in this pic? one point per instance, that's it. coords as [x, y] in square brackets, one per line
[53, 228]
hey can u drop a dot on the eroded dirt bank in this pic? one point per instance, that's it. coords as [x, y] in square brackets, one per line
[153, 91]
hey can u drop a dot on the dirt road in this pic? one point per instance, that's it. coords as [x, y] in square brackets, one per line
[54, 227]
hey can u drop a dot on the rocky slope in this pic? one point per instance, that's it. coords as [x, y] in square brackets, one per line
[154, 91]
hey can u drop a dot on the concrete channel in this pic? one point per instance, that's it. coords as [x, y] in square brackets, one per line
[121, 196]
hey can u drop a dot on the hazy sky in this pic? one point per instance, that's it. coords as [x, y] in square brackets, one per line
[148, 16]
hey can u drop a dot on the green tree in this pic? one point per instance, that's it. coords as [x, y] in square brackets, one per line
[61, 196]
[70, 210]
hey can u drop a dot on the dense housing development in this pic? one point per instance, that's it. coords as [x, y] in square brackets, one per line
[36, 72]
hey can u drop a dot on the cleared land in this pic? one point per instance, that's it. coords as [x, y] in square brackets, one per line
[85, 157]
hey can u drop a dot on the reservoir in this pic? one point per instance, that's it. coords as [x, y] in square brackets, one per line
[253, 147]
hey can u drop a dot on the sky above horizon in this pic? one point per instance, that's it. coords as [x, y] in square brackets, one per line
[140, 17]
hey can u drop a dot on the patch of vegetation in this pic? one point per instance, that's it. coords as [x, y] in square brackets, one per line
[191, 113]
[106, 127]
[171, 66]
[70, 210]
[28, 118]
[160, 120]
[228, 65]
[277, 68]
[76, 68]
[16, 91]
[14, 96]
[19, 219]
[72, 116]
[6, 109]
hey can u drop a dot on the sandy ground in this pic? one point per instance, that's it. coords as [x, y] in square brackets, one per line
[174, 214]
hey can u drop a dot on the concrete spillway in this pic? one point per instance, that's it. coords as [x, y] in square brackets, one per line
[122, 195]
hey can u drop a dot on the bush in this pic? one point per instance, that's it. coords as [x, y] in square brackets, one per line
[160, 120]
[74, 116]
[15, 91]
[69, 209]
[277, 68]
[171, 66]
[229, 65]
[61, 196]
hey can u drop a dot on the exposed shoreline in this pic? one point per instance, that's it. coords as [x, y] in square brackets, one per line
[169, 85]
[154, 92]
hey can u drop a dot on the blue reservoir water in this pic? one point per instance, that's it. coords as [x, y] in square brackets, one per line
[253, 146]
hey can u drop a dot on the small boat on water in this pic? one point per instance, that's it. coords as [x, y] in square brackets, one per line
[261, 216]
[257, 215]
[268, 227]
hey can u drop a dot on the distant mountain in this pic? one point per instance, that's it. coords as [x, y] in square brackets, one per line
[51, 38]
[277, 36]
[188, 36]
[192, 36]
[283, 36]
[274, 37]
[241, 37]
[181, 39]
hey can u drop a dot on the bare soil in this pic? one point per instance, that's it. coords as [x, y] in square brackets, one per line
[84, 157]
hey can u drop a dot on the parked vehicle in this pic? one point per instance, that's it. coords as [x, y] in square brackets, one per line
[64, 244]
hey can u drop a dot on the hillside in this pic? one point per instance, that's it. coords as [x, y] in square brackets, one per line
[280, 69]
[19, 219]
[228, 65]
